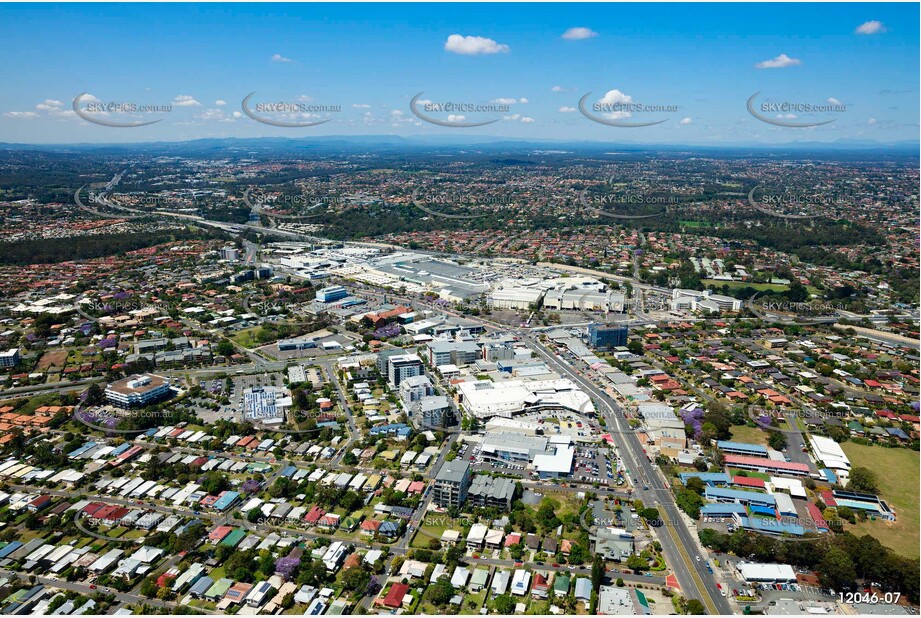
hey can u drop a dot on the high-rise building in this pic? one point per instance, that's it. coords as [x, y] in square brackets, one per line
[601, 336]
[403, 366]
[230, 254]
[452, 483]
[10, 358]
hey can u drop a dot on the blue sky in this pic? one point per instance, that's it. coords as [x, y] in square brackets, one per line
[371, 59]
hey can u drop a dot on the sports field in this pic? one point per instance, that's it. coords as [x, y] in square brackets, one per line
[897, 469]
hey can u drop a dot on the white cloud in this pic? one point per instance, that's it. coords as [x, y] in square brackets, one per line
[237, 114]
[780, 62]
[360, 105]
[870, 27]
[305, 98]
[833, 101]
[561, 89]
[49, 105]
[26, 115]
[527, 120]
[220, 102]
[504, 101]
[512, 118]
[279, 58]
[686, 121]
[567, 110]
[184, 100]
[522, 100]
[456, 118]
[872, 121]
[216, 115]
[576, 34]
[63, 114]
[474, 45]
[786, 116]
[615, 96]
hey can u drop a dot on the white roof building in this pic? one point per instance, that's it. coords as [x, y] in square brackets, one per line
[830, 455]
[477, 535]
[485, 399]
[521, 581]
[762, 572]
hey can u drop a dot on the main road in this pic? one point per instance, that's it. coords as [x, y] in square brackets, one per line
[678, 543]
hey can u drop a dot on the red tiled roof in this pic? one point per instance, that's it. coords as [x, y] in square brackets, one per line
[395, 596]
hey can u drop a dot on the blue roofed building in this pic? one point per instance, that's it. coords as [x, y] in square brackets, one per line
[768, 526]
[81, 450]
[9, 549]
[226, 500]
[201, 586]
[120, 449]
[400, 430]
[762, 510]
[722, 509]
[709, 478]
[720, 494]
[742, 448]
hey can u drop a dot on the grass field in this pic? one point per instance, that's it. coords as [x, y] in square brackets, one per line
[750, 474]
[897, 469]
[246, 337]
[751, 435]
[736, 285]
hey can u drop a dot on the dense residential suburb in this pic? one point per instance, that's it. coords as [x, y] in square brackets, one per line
[277, 383]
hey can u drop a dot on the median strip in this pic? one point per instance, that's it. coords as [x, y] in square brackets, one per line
[701, 587]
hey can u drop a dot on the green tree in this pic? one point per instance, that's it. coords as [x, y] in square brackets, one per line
[836, 569]
[505, 604]
[863, 479]
[637, 563]
[777, 441]
[696, 485]
[441, 591]
[695, 608]
[597, 571]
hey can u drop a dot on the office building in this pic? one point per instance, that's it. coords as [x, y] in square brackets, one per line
[331, 294]
[137, 390]
[601, 336]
